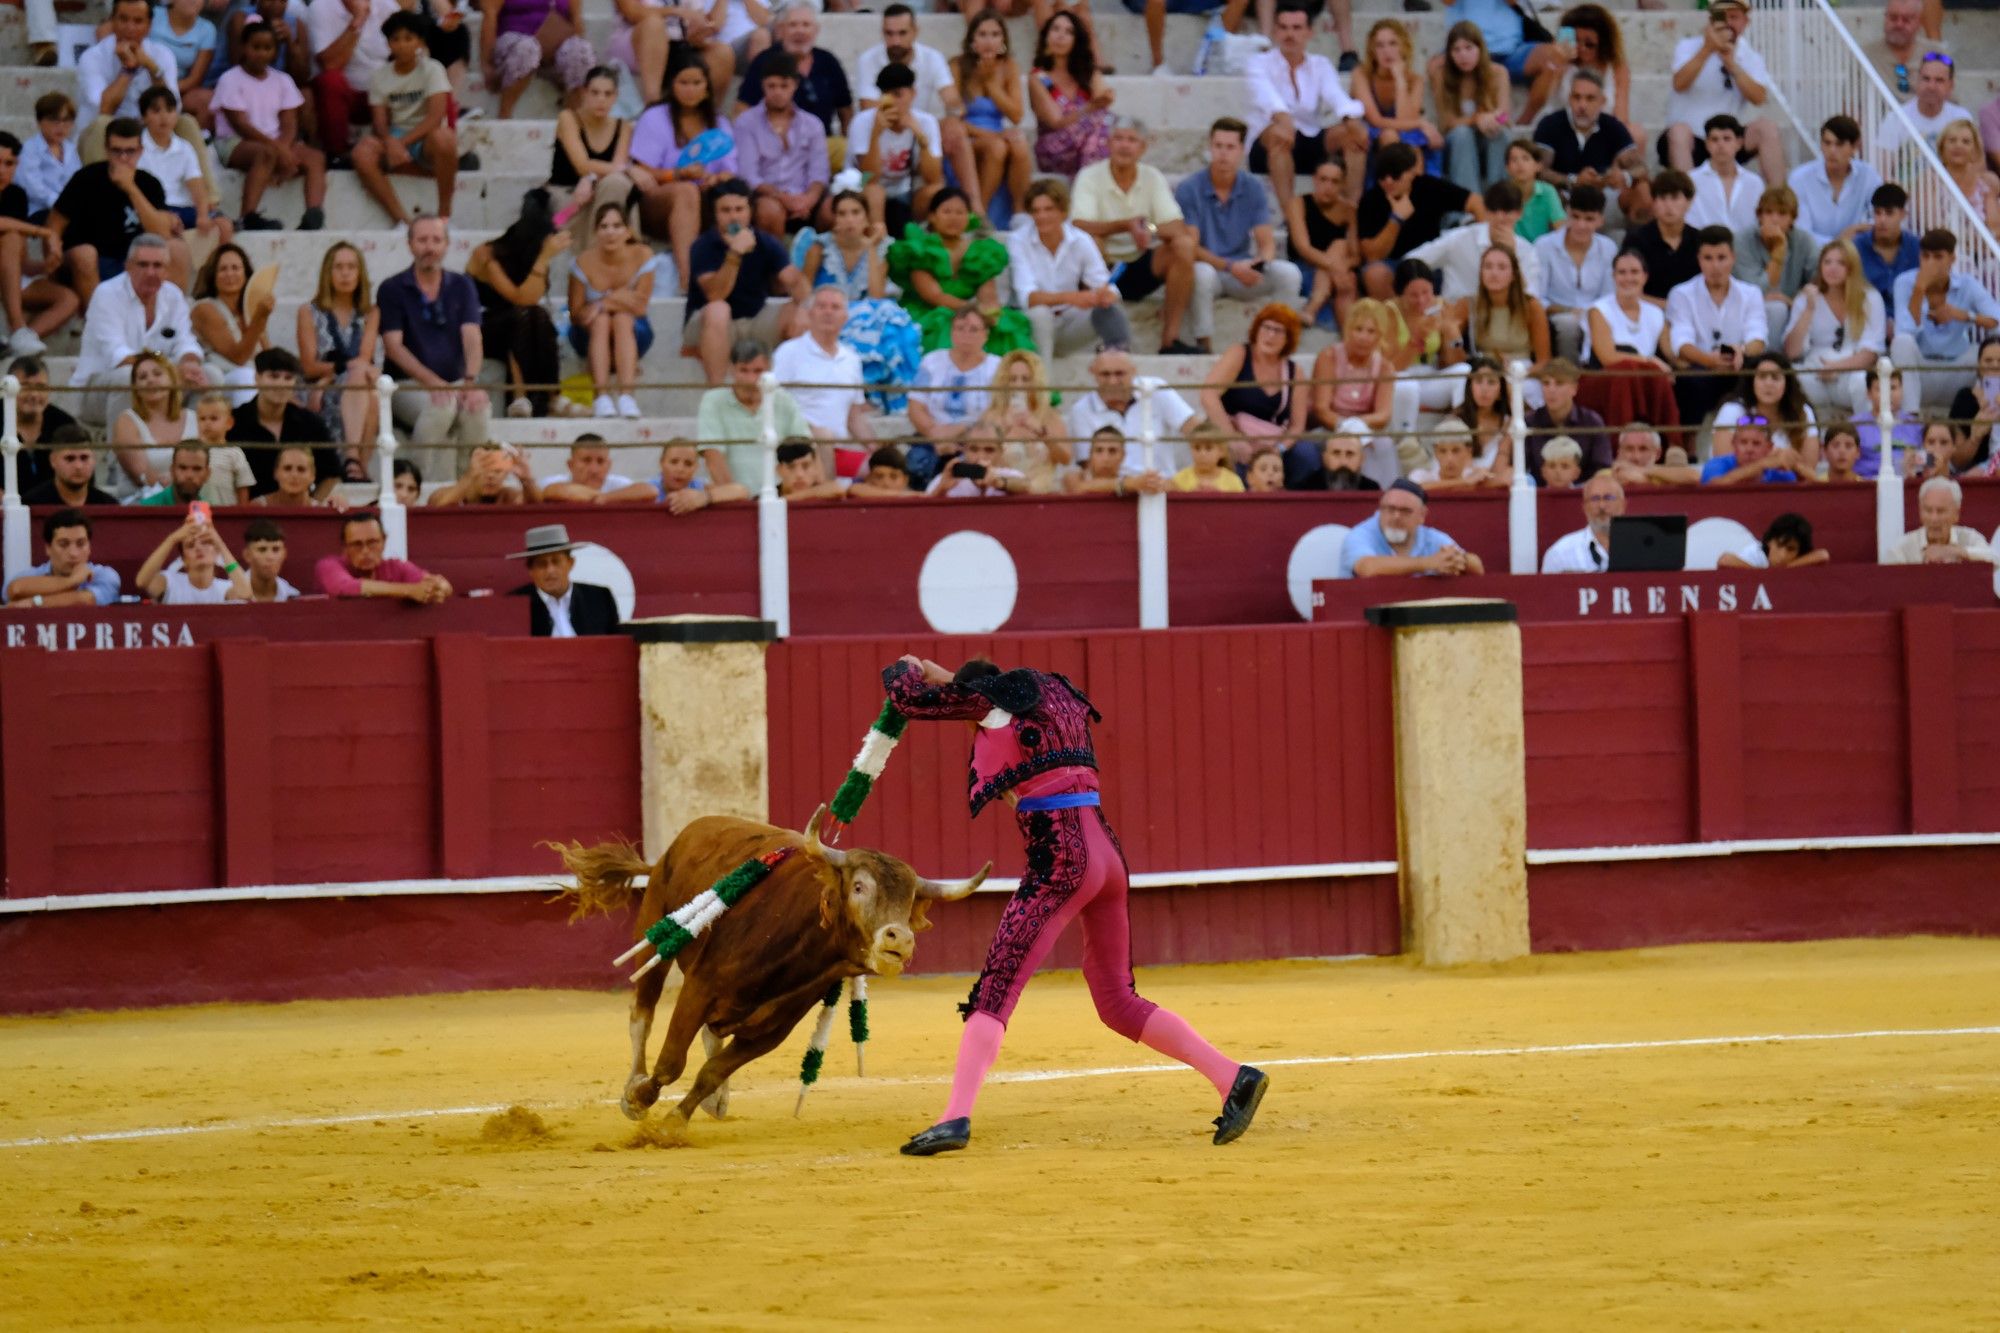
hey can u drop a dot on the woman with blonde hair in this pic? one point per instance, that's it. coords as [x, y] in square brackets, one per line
[1838, 330]
[1391, 92]
[144, 435]
[1963, 153]
[1034, 440]
[1355, 380]
[338, 333]
[1473, 97]
[1249, 394]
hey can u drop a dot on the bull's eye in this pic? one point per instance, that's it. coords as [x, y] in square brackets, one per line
[864, 884]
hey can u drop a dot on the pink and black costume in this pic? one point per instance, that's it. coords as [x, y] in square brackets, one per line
[1033, 747]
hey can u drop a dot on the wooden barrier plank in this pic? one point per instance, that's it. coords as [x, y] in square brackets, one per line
[1932, 713]
[1715, 660]
[243, 753]
[27, 730]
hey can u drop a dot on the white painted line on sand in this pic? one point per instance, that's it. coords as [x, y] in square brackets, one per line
[1040, 1076]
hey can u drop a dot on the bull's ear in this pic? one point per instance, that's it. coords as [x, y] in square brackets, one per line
[833, 856]
[952, 891]
[920, 914]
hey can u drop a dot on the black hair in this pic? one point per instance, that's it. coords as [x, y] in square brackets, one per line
[1586, 199]
[1716, 235]
[353, 516]
[780, 65]
[124, 127]
[1844, 129]
[402, 20]
[64, 518]
[263, 530]
[277, 361]
[10, 143]
[888, 456]
[1674, 183]
[405, 468]
[155, 95]
[1723, 122]
[71, 434]
[1502, 197]
[895, 78]
[1938, 241]
[34, 365]
[949, 193]
[791, 451]
[1082, 59]
[1890, 196]
[1413, 270]
[897, 11]
[975, 668]
[1793, 528]
[735, 185]
[517, 248]
[1394, 159]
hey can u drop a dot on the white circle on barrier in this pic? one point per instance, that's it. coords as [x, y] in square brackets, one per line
[1709, 539]
[601, 565]
[968, 584]
[1316, 555]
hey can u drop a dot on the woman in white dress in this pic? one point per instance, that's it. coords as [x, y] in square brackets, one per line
[1838, 331]
[144, 435]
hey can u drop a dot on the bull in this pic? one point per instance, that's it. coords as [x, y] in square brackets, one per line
[821, 916]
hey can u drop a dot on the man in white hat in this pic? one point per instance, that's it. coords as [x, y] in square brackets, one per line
[557, 607]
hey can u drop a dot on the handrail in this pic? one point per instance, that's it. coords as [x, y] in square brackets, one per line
[1818, 70]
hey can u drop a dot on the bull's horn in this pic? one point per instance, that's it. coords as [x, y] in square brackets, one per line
[832, 855]
[951, 893]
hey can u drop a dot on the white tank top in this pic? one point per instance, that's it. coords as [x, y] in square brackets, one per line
[1641, 334]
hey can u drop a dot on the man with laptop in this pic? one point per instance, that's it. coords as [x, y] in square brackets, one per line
[1588, 549]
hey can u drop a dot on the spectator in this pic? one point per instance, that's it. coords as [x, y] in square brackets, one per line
[1977, 405]
[273, 417]
[729, 422]
[1725, 194]
[290, 21]
[587, 477]
[1474, 103]
[1264, 474]
[1031, 432]
[979, 472]
[495, 474]
[1250, 393]
[1404, 211]
[1560, 414]
[681, 152]
[174, 163]
[1356, 377]
[1947, 314]
[361, 571]
[1897, 53]
[144, 435]
[610, 291]
[258, 131]
[1541, 207]
[1538, 64]
[1424, 346]
[1667, 244]
[640, 43]
[1502, 320]
[1236, 246]
[1485, 412]
[113, 74]
[1940, 444]
[1456, 255]
[801, 475]
[1840, 449]
[35, 419]
[822, 82]
[591, 164]
[964, 370]
[1587, 148]
[1716, 323]
[1938, 540]
[837, 415]
[407, 482]
[431, 340]
[291, 468]
[944, 267]
[887, 478]
[1071, 100]
[187, 478]
[1104, 472]
[1754, 458]
[231, 331]
[72, 469]
[1600, 51]
[990, 83]
[1787, 543]
[66, 578]
[264, 559]
[781, 151]
[1391, 92]
[1930, 110]
[1451, 467]
[734, 272]
[230, 478]
[1211, 470]
[1834, 190]
[1340, 459]
[519, 39]
[1394, 540]
[1837, 330]
[1906, 431]
[349, 44]
[409, 98]
[1964, 160]
[34, 302]
[1116, 402]
[1301, 115]
[1561, 465]
[1588, 549]
[1127, 205]
[1776, 257]
[1890, 251]
[1060, 279]
[936, 96]
[1576, 264]
[559, 607]
[207, 575]
[339, 353]
[103, 212]
[1325, 249]
[1624, 327]
[50, 158]
[678, 486]
[853, 257]
[899, 151]
[1639, 455]
[1719, 74]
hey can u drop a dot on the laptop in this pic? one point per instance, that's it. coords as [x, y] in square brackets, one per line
[1649, 542]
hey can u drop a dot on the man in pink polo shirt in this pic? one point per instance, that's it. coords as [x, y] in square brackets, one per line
[360, 571]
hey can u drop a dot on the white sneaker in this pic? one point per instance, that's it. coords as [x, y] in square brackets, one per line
[628, 407]
[603, 407]
[1163, 71]
[26, 342]
[520, 407]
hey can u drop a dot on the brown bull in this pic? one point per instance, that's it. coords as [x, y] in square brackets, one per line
[821, 916]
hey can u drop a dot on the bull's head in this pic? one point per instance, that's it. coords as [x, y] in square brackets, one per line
[883, 901]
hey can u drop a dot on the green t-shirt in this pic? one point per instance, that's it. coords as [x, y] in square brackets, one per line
[406, 95]
[723, 417]
[1542, 214]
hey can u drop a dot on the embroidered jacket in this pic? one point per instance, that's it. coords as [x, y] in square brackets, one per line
[1030, 722]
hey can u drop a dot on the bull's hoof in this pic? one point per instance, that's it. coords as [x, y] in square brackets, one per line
[1240, 1107]
[718, 1105]
[946, 1136]
[640, 1094]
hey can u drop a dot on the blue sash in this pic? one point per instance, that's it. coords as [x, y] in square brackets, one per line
[1066, 801]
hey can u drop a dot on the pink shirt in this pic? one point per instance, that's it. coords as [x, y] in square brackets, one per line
[260, 100]
[337, 580]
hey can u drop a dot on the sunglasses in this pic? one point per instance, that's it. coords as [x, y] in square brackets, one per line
[1902, 73]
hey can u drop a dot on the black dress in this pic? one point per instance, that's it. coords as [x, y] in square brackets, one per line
[525, 335]
[563, 172]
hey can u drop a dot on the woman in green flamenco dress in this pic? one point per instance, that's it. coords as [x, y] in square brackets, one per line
[945, 267]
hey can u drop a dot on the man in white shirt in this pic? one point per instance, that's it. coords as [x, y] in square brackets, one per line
[1719, 74]
[1716, 323]
[348, 47]
[1455, 256]
[1932, 108]
[937, 92]
[1576, 262]
[1116, 403]
[1725, 193]
[1060, 279]
[112, 75]
[1834, 190]
[900, 149]
[1128, 206]
[1588, 549]
[1939, 540]
[1300, 113]
[137, 311]
[818, 357]
[965, 369]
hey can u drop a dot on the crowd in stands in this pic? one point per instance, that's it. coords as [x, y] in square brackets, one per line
[901, 240]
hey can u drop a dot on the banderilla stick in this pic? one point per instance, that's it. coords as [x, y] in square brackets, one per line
[646, 967]
[632, 953]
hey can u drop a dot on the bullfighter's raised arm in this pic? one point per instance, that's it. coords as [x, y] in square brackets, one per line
[925, 690]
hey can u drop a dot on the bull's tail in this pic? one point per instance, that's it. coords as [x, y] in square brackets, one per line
[608, 876]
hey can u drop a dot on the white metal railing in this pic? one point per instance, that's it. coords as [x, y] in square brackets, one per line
[1818, 70]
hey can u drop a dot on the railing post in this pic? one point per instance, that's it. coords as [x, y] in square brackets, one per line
[395, 518]
[1523, 543]
[774, 554]
[14, 545]
[1888, 476]
[1152, 520]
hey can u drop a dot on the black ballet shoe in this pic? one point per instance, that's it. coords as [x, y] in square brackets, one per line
[948, 1136]
[1239, 1108]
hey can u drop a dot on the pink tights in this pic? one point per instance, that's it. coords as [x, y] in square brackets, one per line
[1165, 1031]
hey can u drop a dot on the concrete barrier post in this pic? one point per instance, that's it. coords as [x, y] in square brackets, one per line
[1461, 779]
[704, 745]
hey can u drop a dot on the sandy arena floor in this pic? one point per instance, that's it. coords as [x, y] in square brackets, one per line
[1835, 1183]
